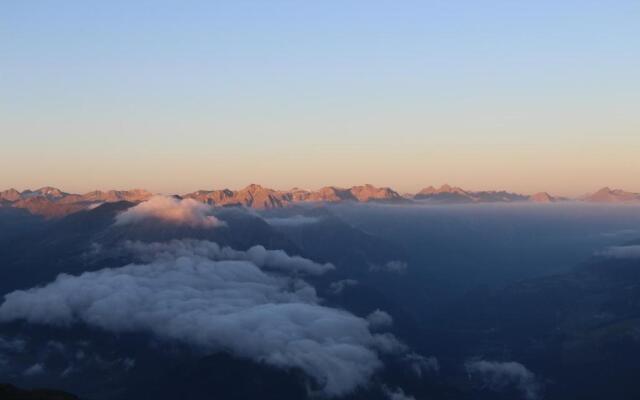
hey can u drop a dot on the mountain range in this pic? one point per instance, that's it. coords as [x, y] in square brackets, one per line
[53, 202]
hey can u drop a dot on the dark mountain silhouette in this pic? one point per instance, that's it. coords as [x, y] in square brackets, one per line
[10, 392]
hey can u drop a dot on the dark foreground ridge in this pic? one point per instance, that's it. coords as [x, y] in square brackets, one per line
[10, 392]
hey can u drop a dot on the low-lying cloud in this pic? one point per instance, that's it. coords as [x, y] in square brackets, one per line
[35, 369]
[379, 319]
[296, 220]
[396, 394]
[394, 266]
[12, 345]
[187, 212]
[64, 360]
[339, 286]
[186, 293]
[499, 376]
[421, 365]
[626, 252]
[258, 255]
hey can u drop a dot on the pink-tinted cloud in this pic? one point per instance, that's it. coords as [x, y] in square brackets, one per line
[172, 210]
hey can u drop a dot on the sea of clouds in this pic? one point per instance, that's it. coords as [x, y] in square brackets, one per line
[253, 304]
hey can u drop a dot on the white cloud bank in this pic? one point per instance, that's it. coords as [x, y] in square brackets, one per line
[187, 294]
[187, 212]
[500, 375]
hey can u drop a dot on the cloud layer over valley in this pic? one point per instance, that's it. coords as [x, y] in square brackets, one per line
[216, 299]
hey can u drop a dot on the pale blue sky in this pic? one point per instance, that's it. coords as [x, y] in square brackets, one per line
[175, 96]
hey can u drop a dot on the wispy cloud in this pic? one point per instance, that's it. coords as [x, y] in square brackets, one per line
[339, 286]
[379, 319]
[258, 255]
[35, 369]
[621, 252]
[396, 394]
[296, 220]
[422, 365]
[13, 345]
[499, 376]
[394, 266]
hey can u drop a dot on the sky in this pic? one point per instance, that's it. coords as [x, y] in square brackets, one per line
[185, 95]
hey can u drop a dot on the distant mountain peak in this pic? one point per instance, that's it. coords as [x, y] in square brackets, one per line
[608, 195]
[50, 191]
[542, 197]
[454, 194]
[45, 191]
[429, 189]
[369, 192]
[9, 196]
[254, 187]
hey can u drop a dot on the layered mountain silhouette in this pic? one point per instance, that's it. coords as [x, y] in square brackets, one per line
[52, 202]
